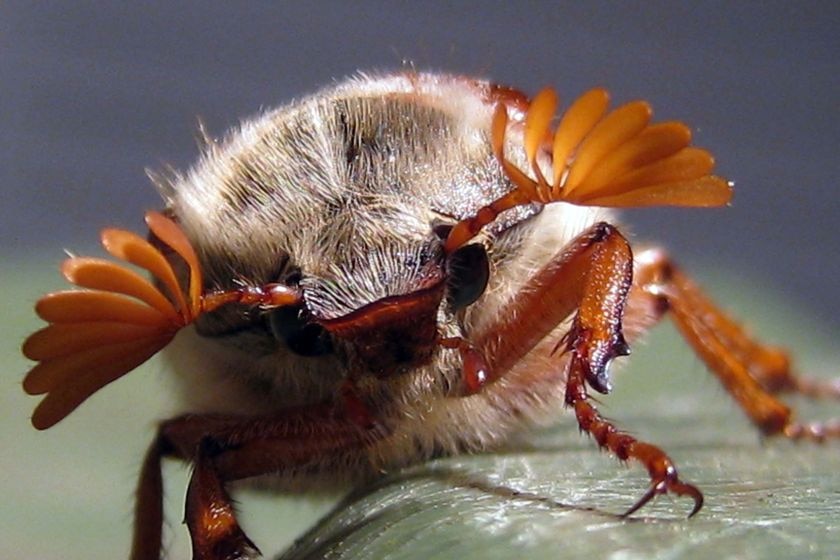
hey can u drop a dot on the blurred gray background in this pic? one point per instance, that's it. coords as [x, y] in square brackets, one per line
[94, 92]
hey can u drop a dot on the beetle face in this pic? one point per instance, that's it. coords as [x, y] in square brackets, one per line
[379, 303]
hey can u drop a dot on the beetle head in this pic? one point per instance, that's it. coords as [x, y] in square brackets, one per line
[383, 312]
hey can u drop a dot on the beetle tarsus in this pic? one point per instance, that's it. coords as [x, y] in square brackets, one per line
[818, 432]
[663, 473]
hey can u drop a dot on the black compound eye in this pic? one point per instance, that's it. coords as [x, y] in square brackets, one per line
[441, 230]
[468, 272]
[302, 338]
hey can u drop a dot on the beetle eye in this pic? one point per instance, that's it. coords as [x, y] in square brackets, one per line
[468, 271]
[441, 229]
[302, 338]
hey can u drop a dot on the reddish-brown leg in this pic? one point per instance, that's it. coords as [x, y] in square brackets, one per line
[663, 473]
[209, 513]
[227, 448]
[148, 506]
[177, 438]
[751, 372]
[594, 276]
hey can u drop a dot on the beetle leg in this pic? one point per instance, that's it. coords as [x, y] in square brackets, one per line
[663, 473]
[148, 505]
[228, 448]
[554, 293]
[179, 438]
[593, 276]
[209, 513]
[595, 338]
[751, 372]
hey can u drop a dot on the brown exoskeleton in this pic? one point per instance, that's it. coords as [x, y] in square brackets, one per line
[397, 267]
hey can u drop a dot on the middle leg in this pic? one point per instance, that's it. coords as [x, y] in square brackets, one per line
[752, 372]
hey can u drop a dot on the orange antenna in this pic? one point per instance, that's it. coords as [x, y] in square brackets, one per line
[122, 319]
[614, 159]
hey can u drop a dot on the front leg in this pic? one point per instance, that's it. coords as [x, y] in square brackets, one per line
[209, 513]
[227, 448]
[594, 275]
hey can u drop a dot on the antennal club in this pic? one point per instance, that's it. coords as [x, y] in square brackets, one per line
[615, 159]
[97, 335]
